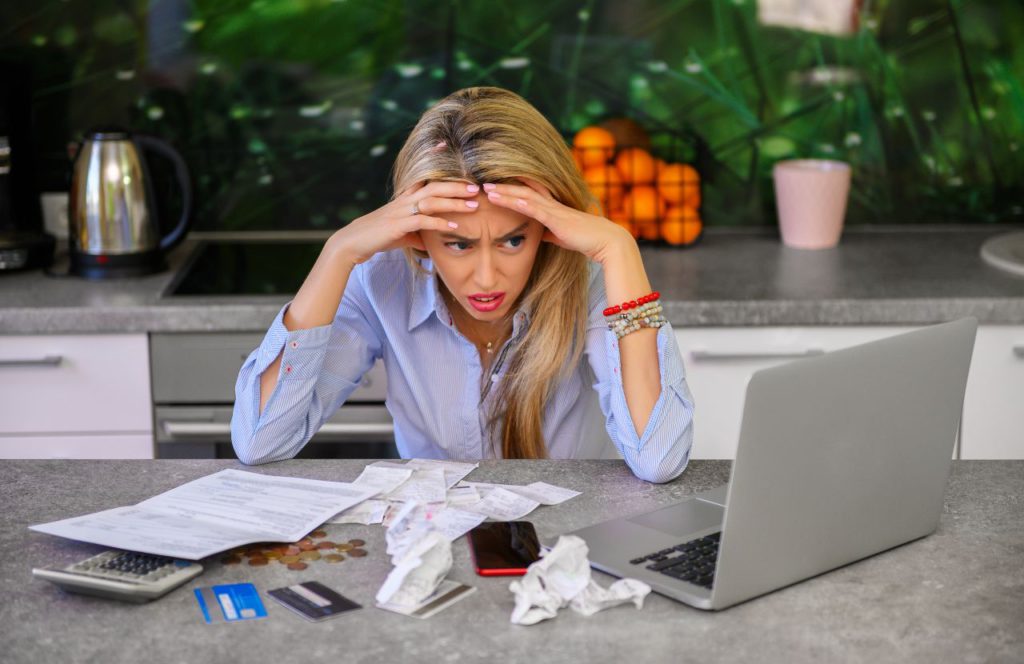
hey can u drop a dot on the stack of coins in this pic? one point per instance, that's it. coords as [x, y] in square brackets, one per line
[298, 555]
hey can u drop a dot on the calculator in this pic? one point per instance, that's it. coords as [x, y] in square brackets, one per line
[123, 575]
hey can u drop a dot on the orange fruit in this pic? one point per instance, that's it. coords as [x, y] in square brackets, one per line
[636, 166]
[679, 184]
[643, 204]
[628, 133]
[606, 185]
[681, 225]
[594, 146]
[576, 160]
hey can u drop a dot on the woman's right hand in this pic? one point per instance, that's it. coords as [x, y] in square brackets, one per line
[396, 224]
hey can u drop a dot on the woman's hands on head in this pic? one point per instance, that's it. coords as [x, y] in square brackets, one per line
[398, 223]
[593, 236]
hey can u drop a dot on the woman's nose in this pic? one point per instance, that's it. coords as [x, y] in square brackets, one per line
[485, 274]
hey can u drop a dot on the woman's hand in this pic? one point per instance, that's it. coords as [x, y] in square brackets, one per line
[398, 223]
[594, 237]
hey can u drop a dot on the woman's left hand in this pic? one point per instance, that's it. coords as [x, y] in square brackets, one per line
[593, 236]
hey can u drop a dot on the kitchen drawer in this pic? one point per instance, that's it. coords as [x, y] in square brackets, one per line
[202, 368]
[720, 361]
[60, 384]
[93, 446]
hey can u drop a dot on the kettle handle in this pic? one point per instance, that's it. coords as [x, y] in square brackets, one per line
[181, 172]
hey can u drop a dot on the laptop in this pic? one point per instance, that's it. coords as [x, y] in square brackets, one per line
[841, 456]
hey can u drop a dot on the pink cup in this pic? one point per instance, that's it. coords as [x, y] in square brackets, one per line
[810, 195]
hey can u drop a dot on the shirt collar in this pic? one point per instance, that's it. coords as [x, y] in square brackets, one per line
[426, 300]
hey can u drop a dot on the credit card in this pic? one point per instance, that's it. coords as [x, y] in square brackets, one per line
[230, 603]
[446, 594]
[313, 601]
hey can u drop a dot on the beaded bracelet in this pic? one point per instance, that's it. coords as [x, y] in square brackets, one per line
[632, 315]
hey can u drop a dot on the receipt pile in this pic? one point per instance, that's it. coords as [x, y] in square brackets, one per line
[562, 578]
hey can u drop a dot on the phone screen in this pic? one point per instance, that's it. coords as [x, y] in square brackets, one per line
[505, 548]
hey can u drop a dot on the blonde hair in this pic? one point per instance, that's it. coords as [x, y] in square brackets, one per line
[494, 135]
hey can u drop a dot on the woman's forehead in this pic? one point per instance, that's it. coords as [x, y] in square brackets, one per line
[488, 219]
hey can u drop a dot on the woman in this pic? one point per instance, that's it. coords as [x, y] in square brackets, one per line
[482, 284]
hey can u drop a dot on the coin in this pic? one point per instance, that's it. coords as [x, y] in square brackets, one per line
[310, 555]
[357, 553]
[288, 560]
[334, 557]
[356, 542]
[258, 561]
[344, 546]
[306, 545]
[292, 550]
[231, 560]
[319, 533]
[273, 554]
[325, 545]
[298, 567]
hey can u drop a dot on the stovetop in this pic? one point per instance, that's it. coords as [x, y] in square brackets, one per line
[246, 267]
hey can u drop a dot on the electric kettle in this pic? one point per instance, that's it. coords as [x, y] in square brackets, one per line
[113, 229]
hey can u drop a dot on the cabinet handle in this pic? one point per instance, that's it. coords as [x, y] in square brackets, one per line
[1019, 351]
[45, 361]
[710, 355]
[186, 429]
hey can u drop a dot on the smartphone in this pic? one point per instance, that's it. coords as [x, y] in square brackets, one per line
[504, 548]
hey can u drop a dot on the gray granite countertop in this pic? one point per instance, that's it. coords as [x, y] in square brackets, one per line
[954, 596]
[877, 276]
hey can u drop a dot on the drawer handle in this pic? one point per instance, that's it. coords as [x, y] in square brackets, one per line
[1019, 351]
[45, 361]
[186, 429]
[711, 356]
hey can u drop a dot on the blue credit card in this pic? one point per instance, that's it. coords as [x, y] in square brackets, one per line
[230, 603]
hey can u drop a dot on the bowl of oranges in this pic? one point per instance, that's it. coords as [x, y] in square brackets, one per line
[658, 201]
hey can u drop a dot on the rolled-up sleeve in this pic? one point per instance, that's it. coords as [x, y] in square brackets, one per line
[659, 453]
[320, 368]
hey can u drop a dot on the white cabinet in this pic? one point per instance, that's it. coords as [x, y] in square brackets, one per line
[75, 396]
[994, 407]
[720, 360]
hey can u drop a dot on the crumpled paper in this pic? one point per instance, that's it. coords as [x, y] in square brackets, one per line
[421, 555]
[562, 578]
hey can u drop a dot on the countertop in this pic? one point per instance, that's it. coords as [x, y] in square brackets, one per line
[731, 277]
[954, 596]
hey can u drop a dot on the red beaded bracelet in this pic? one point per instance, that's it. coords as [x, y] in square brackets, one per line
[632, 304]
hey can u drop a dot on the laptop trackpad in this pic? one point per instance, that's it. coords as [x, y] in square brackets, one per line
[685, 518]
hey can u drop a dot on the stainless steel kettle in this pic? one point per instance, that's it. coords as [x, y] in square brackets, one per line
[113, 226]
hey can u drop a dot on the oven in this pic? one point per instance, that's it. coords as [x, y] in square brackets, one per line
[193, 377]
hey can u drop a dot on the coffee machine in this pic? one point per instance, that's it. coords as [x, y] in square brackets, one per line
[23, 242]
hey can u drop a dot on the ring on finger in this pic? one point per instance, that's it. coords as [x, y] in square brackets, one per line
[416, 207]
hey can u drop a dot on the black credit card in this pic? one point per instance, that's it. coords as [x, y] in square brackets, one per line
[312, 600]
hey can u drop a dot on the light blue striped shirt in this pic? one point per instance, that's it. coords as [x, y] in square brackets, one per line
[435, 388]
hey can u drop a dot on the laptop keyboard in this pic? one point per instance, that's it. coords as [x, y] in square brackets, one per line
[692, 561]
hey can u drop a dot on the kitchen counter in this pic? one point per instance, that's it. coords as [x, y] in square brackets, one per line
[745, 277]
[952, 596]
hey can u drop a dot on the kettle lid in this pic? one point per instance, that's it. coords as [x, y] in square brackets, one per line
[108, 133]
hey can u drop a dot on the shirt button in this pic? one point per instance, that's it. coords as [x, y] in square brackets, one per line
[288, 369]
[295, 344]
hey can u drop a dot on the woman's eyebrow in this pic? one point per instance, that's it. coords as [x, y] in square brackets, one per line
[460, 238]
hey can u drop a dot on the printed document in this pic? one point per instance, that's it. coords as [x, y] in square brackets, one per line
[215, 513]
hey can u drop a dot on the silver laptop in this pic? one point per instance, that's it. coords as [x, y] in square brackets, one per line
[840, 456]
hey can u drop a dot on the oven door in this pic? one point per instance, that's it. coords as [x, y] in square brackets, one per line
[194, 378]
[357, 431]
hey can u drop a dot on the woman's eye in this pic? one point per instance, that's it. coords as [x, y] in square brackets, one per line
[457, 246]
[516, 242]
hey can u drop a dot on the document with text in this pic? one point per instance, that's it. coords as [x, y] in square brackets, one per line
[215, 513]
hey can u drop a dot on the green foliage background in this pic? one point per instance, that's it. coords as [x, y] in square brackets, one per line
[290, 112]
